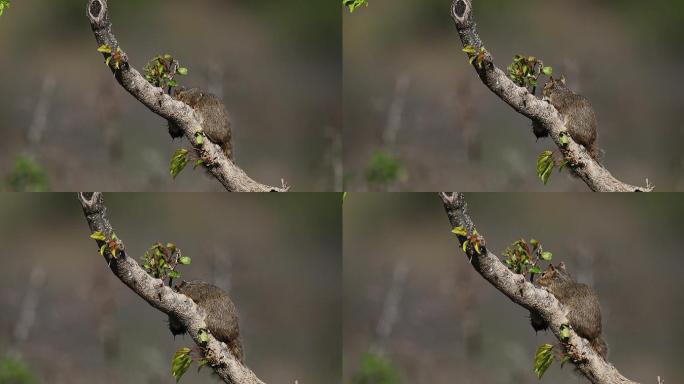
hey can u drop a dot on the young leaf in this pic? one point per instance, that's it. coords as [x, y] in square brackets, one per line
[547, 71]
[460, 231]
[465, 245]
[535, 269]
[564, 332]
[469, 49]
[543, 359]
[97, 235]
[544, 166]
[185, 260]
[104, 48]
[180, 363]
[178, 161]
[174, 274]
[203, 336]
[182, 71]
[546, 256]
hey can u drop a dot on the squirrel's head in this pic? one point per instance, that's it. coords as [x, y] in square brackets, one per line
[553, 84]
[552, 273]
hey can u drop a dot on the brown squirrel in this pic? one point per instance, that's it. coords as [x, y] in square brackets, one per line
[584, 311]
[578, 115]
[221, 314]
[213, 117]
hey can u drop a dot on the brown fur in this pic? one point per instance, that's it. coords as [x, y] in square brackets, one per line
[578, 115]
[213, 117]
[584, 311]
[221, 314]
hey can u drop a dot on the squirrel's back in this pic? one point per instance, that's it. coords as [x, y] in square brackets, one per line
[221, 314]
[584, 310]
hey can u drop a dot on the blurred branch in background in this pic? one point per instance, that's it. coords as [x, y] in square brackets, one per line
[526, 103]
[537, 300]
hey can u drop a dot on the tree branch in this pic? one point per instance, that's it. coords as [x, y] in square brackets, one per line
[596, 177]
[223, 169]
[163, 297]
[534, 299]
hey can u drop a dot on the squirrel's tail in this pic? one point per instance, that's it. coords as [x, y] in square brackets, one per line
[600, 346]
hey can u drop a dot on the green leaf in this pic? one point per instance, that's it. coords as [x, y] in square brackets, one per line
[460, 231]
[199, 139]
[182, 71]
[546, 255]
[543, 359]
[564, 360]
[544, 166]
[469, 49]
[547, 71]
[185, 260]
[180, 363]
[201, 364]
[465, 245]
[104, 48]
[97, 235]
[535, 269]
[102, 249]
[173, 274]
[178, 161]
[477, 248]
[564, 332]
[564, 139]
[198, 162]
[203, 336]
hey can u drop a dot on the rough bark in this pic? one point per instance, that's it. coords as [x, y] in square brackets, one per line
[223, 169]
[162, 297]
[534, 299]
[597, 178]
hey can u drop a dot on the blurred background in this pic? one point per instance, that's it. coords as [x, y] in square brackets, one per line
[421, 314]
[67, 125]
[418, 118]
[65, 318]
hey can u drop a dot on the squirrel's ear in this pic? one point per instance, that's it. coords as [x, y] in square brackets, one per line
[562, 79]
[561, 266]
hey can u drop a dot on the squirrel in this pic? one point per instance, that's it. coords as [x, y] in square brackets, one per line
[213, 117]
[221, 314]
[584, 311]
[578, 115]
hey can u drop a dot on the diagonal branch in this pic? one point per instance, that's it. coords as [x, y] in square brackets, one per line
[223, 169]
[596, 177]
[163, 297]
[534, 299]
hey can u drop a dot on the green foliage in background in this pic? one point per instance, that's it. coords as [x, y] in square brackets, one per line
[524, 258]
[384, 168]
[27, 176]
[353, 4]
[4, 4]
[375, 370]
[14, 371]
[162, 70]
